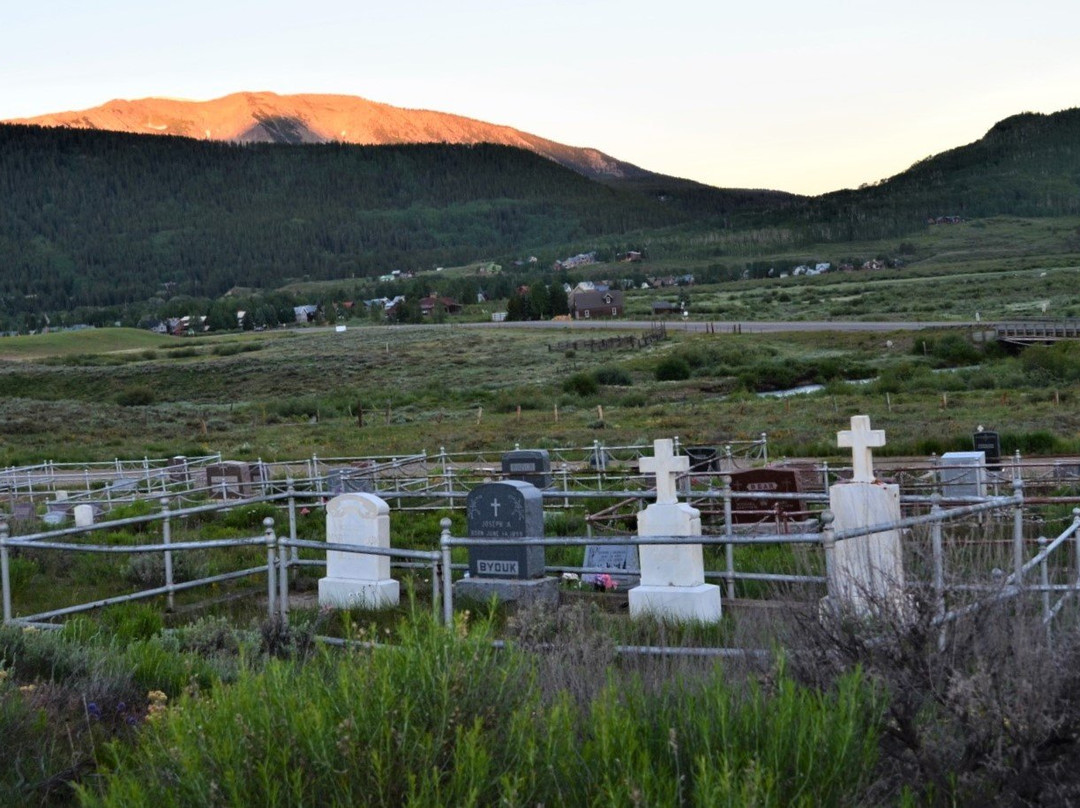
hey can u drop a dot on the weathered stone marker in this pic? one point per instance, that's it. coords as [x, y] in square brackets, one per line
[867, 574]
[503, 568]
[84, 515]
[672, 575]
[963, 474]
[357, 579]
[528, 465]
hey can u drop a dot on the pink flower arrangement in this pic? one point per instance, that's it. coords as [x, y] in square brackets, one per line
[604, 582]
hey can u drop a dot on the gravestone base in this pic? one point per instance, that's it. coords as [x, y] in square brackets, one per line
[867, 574]
[508, 590]
[699, 603]
[345, 593]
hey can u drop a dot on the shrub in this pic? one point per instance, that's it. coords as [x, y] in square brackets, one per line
[672, 369]
[135, 397]
[581, 384]
[613, 377]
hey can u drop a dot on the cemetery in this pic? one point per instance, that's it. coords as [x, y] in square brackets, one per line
[703, 557]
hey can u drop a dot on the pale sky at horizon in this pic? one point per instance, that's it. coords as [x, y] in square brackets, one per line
[795, 96]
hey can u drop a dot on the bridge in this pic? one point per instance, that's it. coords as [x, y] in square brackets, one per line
[1028, 332]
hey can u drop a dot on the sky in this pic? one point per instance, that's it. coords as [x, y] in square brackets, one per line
[792, 95]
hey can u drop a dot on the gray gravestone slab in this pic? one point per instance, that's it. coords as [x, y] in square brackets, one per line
[501, 511]
[989, 443]
[618, 560]
[528, 465]
[963, 474]
[53, 518]
[123, 484]
[23, 512]
[349, 481]
[178, 470]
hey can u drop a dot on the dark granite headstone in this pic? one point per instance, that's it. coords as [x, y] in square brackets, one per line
[989, 443]
[703, 459]
[177, 470]
[23, 513]
[528, 465]
[763, 481]
[501, 511]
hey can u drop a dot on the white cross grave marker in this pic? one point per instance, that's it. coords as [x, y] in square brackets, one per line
[666, 465]
[861, 439]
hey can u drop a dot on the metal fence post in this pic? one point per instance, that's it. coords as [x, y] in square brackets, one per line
[937, 548]
[447, 584]
[5, 572]
[283, 580]
[271, 563]
[1044, 582]
[729, 548]
[292, 518]
[166, 539]
[828, 543]
[1076, 540]
[1018, 532]
[764, 447]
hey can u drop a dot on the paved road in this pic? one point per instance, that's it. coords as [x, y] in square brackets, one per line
[728, 327]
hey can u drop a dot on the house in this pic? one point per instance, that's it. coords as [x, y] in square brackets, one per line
[431, 302]
[306, 313]
[588, 304]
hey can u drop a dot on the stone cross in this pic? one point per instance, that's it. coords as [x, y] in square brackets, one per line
[860, 439]
[666, 465]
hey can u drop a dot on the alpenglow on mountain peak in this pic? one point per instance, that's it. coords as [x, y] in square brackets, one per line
[261, 117]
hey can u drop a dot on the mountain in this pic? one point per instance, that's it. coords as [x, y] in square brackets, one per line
[265, 117]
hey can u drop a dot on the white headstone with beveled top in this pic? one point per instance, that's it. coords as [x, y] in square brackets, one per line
[867, 574]
[672, 575]
[352, 578]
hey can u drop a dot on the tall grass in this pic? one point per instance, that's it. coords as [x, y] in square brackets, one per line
[445, 719]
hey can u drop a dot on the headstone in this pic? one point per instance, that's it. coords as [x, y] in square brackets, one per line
[54, 518]
[505, 510]
[502, 568]
[122, 484]
[230, 478]
[178, 470]
[867, 573]
[672, 575]
[620, 561]
[352, 578]
[60, 496]
[764, 481]
[989, 443]
[531, 466]
[84, 515]
[23, 512]
[962, 474]
[703, 459]
[349, 481]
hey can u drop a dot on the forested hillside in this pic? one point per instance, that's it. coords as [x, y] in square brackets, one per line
[98, 218]
[1026, 165]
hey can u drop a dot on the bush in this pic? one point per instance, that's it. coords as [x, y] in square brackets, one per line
[613, 377]
[581, 384]
[135, 397]
[672, 369]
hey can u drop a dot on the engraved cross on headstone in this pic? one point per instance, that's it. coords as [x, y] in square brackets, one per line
[860, 439]
[666, 465]
[495, 508]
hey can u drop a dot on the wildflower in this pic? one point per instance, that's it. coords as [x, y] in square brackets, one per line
[93, 710]
[27, 689]
[158, 704]
[3, 674]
